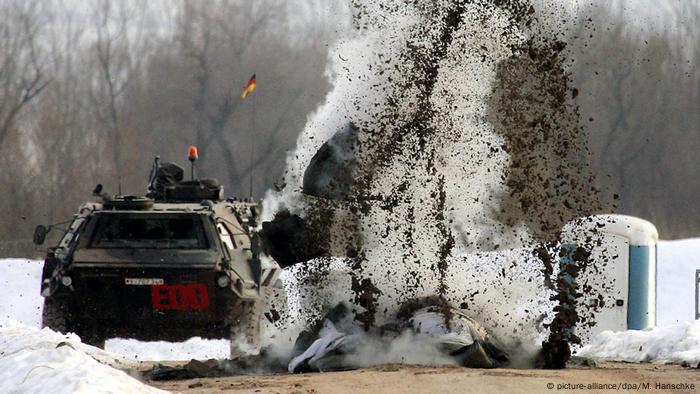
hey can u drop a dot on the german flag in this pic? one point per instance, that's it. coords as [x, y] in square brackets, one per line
[249, 87]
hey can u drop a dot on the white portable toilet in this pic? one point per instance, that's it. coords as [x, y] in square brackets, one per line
[623, 272]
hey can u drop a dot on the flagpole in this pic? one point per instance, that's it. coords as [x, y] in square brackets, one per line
[249, 87]
[252, 146]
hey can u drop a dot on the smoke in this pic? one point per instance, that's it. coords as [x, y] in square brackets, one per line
[468, 152]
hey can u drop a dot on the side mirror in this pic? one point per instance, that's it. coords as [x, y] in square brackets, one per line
[40, 234]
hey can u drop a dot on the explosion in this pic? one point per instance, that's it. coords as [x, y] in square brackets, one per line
[448, 149]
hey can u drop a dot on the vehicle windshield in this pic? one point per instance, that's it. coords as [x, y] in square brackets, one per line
[149, 231]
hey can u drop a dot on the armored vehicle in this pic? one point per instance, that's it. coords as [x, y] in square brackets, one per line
[176, 263]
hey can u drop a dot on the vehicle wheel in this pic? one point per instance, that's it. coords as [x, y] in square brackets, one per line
[245, 331]
[91, 336]
[55, 315]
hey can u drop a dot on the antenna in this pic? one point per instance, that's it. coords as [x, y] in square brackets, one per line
[251, 184]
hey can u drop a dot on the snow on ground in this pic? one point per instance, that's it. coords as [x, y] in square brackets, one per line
[41, 361]
[197, 348]
[675, 295]
[20, 282]
[674, 344]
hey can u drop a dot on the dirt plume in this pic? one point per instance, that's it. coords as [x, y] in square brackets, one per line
[465, 140]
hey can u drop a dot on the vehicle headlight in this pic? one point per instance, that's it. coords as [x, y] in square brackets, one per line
[223, 281]
[66, 281]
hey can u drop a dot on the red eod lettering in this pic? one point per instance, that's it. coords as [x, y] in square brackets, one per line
[179, 297]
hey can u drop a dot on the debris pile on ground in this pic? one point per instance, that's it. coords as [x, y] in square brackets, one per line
[420, 335]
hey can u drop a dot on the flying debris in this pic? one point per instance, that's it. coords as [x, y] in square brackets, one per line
[450, 132]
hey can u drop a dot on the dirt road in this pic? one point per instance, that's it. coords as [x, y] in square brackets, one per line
[606, 378]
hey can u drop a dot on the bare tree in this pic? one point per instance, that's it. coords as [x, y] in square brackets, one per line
[22, 75]
[119, 51]
[206, 31]
[224, 43]
[639, 89]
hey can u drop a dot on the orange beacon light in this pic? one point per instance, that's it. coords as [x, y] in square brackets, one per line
[192, 153]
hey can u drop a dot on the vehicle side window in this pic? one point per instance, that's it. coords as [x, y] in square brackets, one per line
[225, 236]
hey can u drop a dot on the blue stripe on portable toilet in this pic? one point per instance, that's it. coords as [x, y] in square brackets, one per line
[638, 316]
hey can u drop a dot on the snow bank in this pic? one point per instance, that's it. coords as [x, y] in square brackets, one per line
[40, 361]
[673, 344]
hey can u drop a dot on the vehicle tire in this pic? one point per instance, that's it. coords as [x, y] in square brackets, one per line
[92, 336]
[55, 315]
[245, 330]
